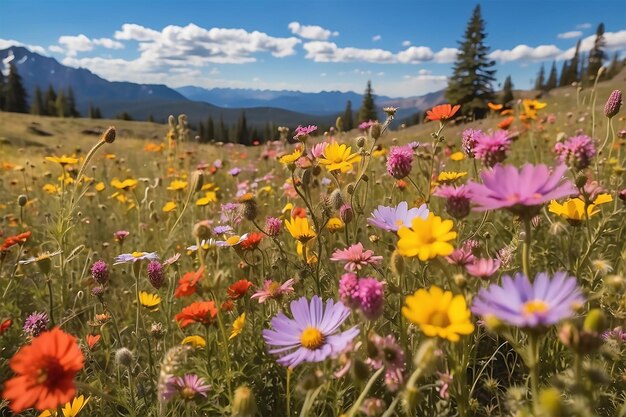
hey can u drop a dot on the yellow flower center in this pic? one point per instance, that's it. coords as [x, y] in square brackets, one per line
[311, 338]
[233, 240]
[137, 254]
[534, 306]
[439, 319]
[273, 288]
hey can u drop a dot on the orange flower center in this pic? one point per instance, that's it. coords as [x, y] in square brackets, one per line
[439, 319]
[311, 338]
[534, 307]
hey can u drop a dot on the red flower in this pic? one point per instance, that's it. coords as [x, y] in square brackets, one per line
[252, 241]
[506, 123]
[45, 372]
[4, 326]
[14, 240]
[203, 312]
[187, 284]
[442, 112]
[298, 212]
[92, 340]
[239, 289]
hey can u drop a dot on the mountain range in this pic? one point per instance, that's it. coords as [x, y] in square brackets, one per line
[157, 100]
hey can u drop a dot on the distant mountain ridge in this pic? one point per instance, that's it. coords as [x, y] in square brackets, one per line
[143, 100]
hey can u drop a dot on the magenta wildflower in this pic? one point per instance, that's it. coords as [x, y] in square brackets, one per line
[100, 272]
[312, 335]
[458, 199]
[155, 274]
[302, 132]
[273, 290]
[36, 323]
[483, 267]
[120, 236]
[399, 161]
[366, 125]
[371, 297]
[188, 386]
[577, 151]
[468, 141]
[355, 257]
[462, 256]
[613, 104]
[349, 289]
[520, 191]
[272, 226]
[346, 213]
[385, 352]
[492, 149]
[519, 303]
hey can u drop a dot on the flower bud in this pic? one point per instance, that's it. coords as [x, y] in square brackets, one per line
[109, 135]
[157, 331]
[346, 213]
[426, 356]
[581, 180]
[376, 130]
[615, 282]
[360, 141]
[551, 402]
[22, 200]
[155, 274]
[124, 357]
[397, 264]
[244, 403]
[336, 199]
[460, 280]
[201, 230]
[595, 321]
[613, 104]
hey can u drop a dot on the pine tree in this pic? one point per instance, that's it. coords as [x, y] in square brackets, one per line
[210, 129]
[94, 112]
[564, 72]
[124, 116]
[472, 76]
[61, 107]
[242, 134]
[15, 94]
[221, 134]
[596, 55]
[540, 80]
[37, 107]
[348, 122]
[615, 67]
[507, 92]
[201, 132]
[71, 103]
[368, 108]
[552, 78]
[50, 101]
[267, 134]
[151, 118]
[573, 74]
[2, 87]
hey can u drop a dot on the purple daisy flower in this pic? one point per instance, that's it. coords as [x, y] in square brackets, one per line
[458, 199]
[135, 256]
[220, 230]
[492, 149]
[520, 191]
[100, 272]
[36, 323]
[577, 151]
[519, 303]
[391, 218]
[399, 162]
[188, 386]
[311, 336]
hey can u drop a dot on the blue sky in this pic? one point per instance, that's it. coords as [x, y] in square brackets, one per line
[405, 47]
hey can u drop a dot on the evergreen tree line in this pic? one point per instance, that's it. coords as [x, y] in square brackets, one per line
[53, 103]
[218, 131]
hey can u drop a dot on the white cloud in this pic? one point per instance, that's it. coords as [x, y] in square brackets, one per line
[569, 35]
[108, 43]
[584, 26]
[613, 41]
[376, 38]
[7, 43]
[412, 85]
[526, 53]
[313, 32]
[56, 48]
[330, 52]
[424, 72]
[133, 32]
[72, 45]
[406, 43]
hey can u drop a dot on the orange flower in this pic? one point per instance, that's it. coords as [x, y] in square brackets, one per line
[187, 284]
[298, 212]
[401, 184]
[506, 123]
[45, 372]
[238, 289]
[506, 112]
[494, 106]
[4, 326]
[203, 312]
[92, 340]
[14, 240]
[252, 241]
[442, 112]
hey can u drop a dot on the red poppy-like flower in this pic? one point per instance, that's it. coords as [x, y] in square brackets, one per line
[442, 112]
[298, 212]
[4, 326]
[14, 240]
[203, 312]
[187, 284]
[45, 372]
[506, 123]
[239, 289]
[92, 339]
[252, 241]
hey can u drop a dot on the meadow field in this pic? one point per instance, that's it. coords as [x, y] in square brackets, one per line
[444, 269]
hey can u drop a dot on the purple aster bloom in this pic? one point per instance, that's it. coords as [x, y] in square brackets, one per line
[483, 267]
[615, 334]
[235, 171]
[349, 289]
[519, 303]
[188, 386]
[36, 323]
[577, 151]
[304, 131]
[312, 335]
[366, 125]
[135, 256]
[386, 352]
[155, 274]
[220, 230]
[217, 163]
[414, 145]
[468, 141]
[492, 149]
[458, 199]
[391, 218]
[520, 191]
[399, 161]
[371, 297]
[100, 272]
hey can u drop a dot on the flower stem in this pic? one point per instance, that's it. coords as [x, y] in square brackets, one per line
[50, 301]
[532, 361]
[355, 407]
[289, 371]
[526, 247]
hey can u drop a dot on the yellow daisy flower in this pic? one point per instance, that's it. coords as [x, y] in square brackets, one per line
[457, 156]
[100, 186]
[291, 158]
[169, 206]
[62, 160]
[149, 300]
[69, 409]
[209, 197]
[51, 188]
[447, 177]
[335, 224]
[238, 326]
[195, 341]
[300, 229]
[177, 185]
[337, 157]
[439, 313]
[573, 209]
[426, 239]
[125, 185]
